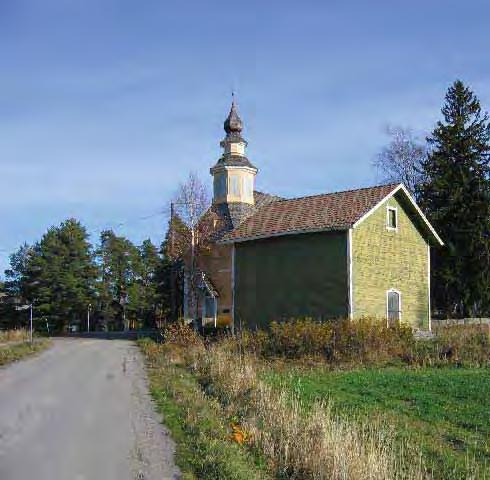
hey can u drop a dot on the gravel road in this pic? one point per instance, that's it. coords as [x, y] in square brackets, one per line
[81, 411]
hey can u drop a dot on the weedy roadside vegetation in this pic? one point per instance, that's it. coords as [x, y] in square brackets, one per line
[205, 449]
[231, 421]
[19, 335]
[18, 351]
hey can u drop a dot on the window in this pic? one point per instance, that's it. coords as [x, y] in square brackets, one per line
[235, 185]
[220, 186]
[247, 187]
[209, 307]
[392, 218]
[393, 306]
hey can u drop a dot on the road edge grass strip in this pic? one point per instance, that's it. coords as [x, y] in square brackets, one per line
[204, 448]
[19, 351]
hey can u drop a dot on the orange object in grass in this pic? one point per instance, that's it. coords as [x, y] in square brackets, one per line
[238, 435]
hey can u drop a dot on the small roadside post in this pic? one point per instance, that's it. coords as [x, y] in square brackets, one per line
[88, 317]
[30, 333]
[27, 307]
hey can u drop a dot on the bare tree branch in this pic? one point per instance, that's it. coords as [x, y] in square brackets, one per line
[401, 160]
[192, 229]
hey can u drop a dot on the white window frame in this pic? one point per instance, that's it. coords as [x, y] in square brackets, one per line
[388, 226]
[204, 312]
[399, 306]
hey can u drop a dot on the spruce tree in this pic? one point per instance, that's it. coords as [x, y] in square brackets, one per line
[456, 197]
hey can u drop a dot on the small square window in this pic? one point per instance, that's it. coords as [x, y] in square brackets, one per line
[392, 220]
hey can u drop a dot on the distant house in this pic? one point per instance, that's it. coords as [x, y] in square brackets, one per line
[344, 254]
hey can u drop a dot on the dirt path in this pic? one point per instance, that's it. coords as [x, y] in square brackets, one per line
[81, 411]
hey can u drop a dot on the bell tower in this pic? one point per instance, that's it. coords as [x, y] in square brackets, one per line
[233, 174]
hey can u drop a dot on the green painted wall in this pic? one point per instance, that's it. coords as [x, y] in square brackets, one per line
[291, 276]
[383, 259]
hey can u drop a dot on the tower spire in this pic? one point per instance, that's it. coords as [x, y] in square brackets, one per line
[234, 175]
[233, 123]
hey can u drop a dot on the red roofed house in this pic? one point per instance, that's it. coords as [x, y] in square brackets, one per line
[344, 254]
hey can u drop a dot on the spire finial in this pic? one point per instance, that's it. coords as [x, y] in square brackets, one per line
[233, 122]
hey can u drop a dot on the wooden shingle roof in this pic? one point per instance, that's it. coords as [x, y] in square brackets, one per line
[332, 211]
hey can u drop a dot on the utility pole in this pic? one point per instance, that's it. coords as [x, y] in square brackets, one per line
[193, 276]
[172, 266]
[88, 317]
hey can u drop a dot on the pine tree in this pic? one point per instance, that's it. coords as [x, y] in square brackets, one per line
[456, 198]
[118, 289]
[149, 265]
[57, 274]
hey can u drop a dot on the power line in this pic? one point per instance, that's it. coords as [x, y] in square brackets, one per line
[130, 220]
[90, 231]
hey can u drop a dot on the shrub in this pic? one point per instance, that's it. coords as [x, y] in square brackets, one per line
[464, 344]
[371, 340]
[363, 340]
[181, 334]
[294, 339]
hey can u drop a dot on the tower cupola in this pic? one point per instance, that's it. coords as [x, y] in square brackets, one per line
[233, 174]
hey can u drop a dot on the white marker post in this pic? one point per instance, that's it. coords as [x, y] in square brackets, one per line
[31, 324]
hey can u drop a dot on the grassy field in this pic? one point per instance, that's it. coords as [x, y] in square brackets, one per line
[15, 352]
[325, 401]
[442, 410]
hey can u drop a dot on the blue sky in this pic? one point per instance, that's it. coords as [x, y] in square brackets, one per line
[106, 105]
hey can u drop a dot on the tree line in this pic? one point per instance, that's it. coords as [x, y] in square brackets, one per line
[449, 175]
[115, 285]
[122, 285]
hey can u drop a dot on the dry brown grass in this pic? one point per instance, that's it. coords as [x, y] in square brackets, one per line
[298, 443]
[464, 344]
[20, 335]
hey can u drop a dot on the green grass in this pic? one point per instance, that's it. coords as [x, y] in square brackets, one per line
[13, 353]
[204, 449]
[445, 412]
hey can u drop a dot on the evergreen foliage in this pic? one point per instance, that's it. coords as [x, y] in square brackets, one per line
[126, 286]
[456, 197]
[57, 274]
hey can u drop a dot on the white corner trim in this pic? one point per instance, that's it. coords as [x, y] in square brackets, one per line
[400, 304]
[414, 204]
[428, 286]
[233, 286]
[349, 274]
[215, 312]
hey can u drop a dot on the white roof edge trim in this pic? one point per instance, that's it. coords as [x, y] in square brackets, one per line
[414, 204]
